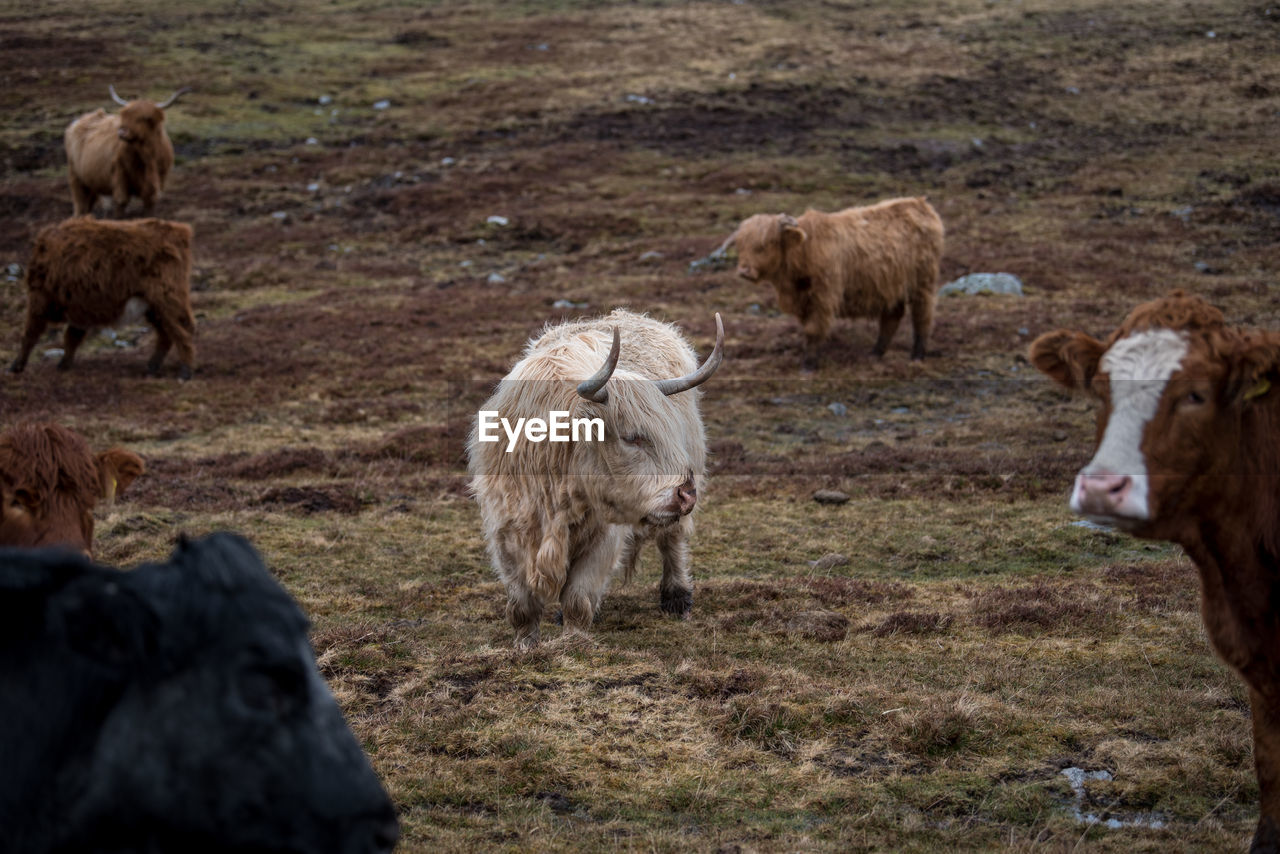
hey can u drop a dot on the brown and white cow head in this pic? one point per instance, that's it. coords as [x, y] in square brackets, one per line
[141, 121]
[50, 482]
[763, 242]
[1179, 390]
[647, 469]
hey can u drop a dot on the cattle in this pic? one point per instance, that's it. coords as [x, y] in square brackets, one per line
[50, 482]
[873, 261]
[1188, 451]
[173, 707]
[561, 519]
[92, 273]
[121, 155]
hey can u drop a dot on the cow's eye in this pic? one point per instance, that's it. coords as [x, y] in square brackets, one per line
[1193, 398]
[635, 439]
[275, 690]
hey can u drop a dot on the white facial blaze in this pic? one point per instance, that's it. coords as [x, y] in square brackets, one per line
[1139, 367]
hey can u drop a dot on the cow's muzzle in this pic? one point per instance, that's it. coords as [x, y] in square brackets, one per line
[683, 499]
[1107, 495]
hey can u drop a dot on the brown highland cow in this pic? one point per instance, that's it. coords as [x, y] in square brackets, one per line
[871, 261]
[50, 482]
[120, 155]
[91, 274]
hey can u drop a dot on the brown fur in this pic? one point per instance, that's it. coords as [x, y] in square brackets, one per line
[50, 482]
[873, 261]
[86, 272]
[121, 155]
[1213, 455]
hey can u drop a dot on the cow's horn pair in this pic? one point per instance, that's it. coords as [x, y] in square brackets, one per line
[162, 105]
[593, 388]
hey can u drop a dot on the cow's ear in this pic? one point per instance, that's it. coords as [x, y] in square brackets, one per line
[792, 233]
[117, 468]
[1070, 358]
[1254, 369]
[105, 621]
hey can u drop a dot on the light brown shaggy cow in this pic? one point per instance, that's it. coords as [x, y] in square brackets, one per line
[120, 155]
[49, 483]
[872, 261]
[562, 518]
[1189, 451]
[92, 273]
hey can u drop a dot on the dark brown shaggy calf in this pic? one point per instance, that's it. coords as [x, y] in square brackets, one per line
[873, 261]
[49, 483]
[93, 274]
[120, 155]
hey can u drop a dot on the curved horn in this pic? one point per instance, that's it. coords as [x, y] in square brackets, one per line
[700, 376]
[724, 246]
[121, 101]
[167, 101]
[593, 388]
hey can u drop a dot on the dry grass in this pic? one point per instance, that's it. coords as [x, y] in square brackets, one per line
[923, 695]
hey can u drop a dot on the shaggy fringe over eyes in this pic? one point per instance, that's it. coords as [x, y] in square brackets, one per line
[46, 458]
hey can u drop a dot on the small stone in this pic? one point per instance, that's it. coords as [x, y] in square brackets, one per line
[984, 283]
[651, 255]
[447, 161]
[325, 100]
[496, 279]
[381, 105]
[54, 353]
[311, 140]
[829, 561]
[754, 308]
[497, 220]
[830, 496]
[1059, 435]
[313, 187]
[280, 216]
[838, 409]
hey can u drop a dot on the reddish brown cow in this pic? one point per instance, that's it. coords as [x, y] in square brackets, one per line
[49, 483]
[93, 274]
[1189, 451]
[120, 155]
[871, 261]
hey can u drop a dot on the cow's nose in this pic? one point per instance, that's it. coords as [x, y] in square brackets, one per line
[1102, 492]
[686, 496]
[744, 271]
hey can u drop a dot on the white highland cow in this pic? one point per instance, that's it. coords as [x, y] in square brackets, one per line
[563, 517]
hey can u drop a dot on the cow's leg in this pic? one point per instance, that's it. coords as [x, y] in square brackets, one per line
[37, 322]
[184, 333]
[675, 594]
[72, 337]
[1266, 758]
[922, 305]
[889, 321]
[82, 198]
[524, 612]
[816, 328]
[589, 578]
[163, 343]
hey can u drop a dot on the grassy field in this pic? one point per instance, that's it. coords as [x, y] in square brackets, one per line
[923, 690]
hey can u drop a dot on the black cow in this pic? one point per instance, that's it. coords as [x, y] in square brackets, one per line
[173, 708]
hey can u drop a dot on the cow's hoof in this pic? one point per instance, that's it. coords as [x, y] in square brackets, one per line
[64, 366]
[15, 368]
[184, 373]
[678, 603]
